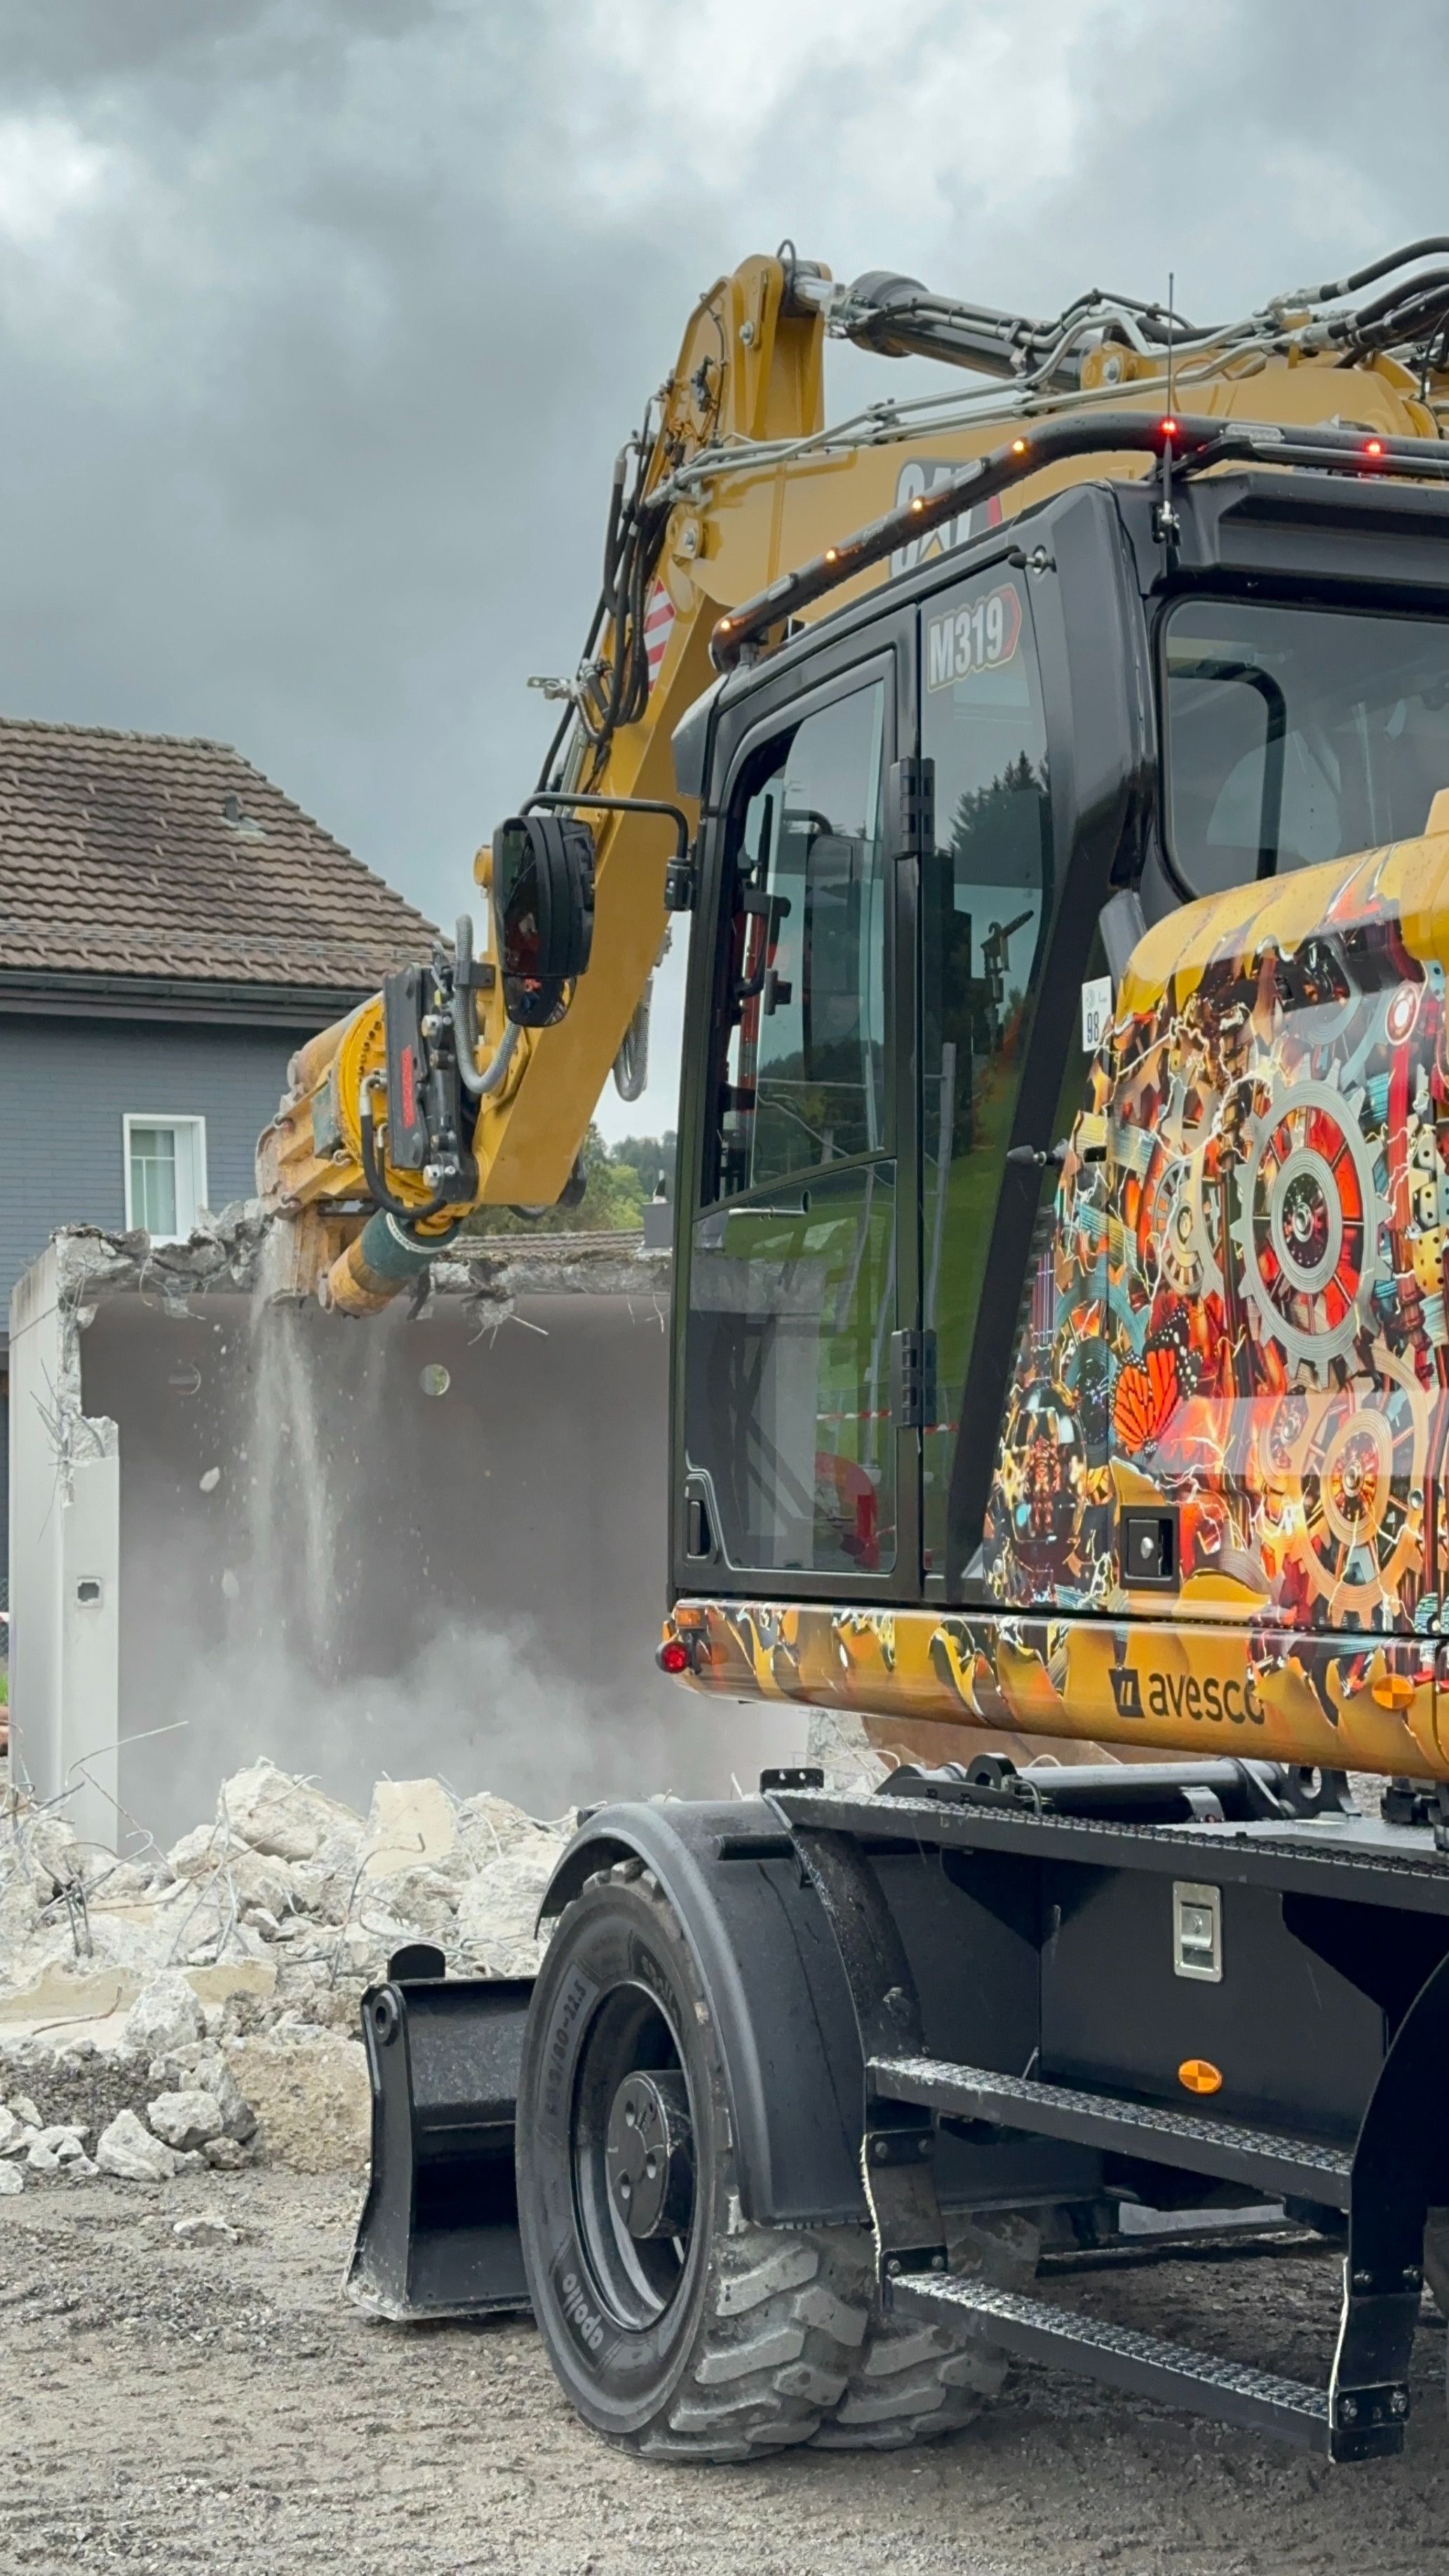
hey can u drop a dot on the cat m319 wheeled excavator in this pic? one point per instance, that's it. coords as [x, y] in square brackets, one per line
[1055, 782]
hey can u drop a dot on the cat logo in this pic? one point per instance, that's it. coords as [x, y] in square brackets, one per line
[1126, 1690]
[917, 481]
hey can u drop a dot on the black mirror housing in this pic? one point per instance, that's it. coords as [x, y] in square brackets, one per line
[543, 911]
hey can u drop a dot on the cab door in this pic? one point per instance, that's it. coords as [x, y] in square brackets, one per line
[798, 1408]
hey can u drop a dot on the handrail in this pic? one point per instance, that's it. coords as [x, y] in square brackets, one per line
[1184, 445]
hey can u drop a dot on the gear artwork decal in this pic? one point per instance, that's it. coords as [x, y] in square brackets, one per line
[1236, 1322]
[1249, 1232]
[1308, 1230]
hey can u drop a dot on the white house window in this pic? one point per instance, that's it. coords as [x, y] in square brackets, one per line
[165, 1173]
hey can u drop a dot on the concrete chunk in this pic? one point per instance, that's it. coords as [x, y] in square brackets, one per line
[165, 2015]
[205, 2228]
[285, 1817]
[129, 2151]
[185, 2120]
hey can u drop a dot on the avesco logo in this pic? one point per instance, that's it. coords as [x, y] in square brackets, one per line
[586, 2321]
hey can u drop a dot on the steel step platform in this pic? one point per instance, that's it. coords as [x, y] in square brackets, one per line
[1366, 2425]
[1280, 2166]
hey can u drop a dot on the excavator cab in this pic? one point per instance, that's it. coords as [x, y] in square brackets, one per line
[952, 1276]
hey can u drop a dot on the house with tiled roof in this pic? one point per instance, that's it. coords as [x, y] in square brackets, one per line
[171, 928]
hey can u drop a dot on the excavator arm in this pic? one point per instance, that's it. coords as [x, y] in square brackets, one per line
[471, 1082]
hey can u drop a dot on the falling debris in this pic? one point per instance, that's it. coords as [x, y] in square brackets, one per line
[199, 2008]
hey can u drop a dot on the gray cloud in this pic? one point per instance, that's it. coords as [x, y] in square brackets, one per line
[320, 324]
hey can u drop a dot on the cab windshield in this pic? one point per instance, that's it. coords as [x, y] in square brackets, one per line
[1296, 735]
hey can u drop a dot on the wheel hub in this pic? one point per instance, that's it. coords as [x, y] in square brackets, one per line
[649, 2156]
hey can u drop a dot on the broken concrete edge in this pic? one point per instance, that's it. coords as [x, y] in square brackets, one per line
[229, 1252]
[90, 2003]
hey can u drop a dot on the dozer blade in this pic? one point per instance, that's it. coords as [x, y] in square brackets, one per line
[438, 2236]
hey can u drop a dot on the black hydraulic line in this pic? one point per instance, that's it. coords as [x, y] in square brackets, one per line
[1190, 443]
[1401, 299]
[1433, 245]
[387, 1199]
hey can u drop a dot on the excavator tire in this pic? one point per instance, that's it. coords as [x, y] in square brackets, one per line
[725, 2340]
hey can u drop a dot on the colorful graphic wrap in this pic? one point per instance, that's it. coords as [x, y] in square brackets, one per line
[1244, 1314]
[1270, 1694]
[1238, 1323]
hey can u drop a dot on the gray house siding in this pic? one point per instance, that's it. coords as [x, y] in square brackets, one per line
[66, 1083]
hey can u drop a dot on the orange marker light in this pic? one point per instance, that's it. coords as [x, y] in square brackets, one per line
[1199, 2075]
[1018, 447]
[830, 554]
[918, 503]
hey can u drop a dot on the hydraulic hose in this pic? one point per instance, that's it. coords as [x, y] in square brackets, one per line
[631, 1064]
[372, 1172]
[478, 1085]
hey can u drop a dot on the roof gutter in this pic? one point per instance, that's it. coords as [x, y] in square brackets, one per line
[209, 1001]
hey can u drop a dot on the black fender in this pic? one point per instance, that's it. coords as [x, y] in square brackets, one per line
[768, 1963]
[770, 1966]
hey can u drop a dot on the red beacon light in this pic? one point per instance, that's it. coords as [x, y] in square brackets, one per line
[674, 1656]
[1168, 428]
[1373, 447]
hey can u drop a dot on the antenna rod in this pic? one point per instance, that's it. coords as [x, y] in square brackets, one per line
[1166, 516]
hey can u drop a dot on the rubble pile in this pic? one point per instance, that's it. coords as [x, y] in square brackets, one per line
[161, 2013]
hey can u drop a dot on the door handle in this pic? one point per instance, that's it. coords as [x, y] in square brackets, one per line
[1036, 1157]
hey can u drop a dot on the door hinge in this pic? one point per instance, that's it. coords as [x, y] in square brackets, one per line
[910, 808]
[913, 1380]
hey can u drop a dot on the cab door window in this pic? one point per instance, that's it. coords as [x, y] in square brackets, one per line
[985, 902]
[790, 1447]
[805, 1056]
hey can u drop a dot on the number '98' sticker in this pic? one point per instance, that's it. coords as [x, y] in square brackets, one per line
[979, 636]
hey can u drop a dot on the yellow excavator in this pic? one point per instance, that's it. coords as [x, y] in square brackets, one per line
[1055, 778]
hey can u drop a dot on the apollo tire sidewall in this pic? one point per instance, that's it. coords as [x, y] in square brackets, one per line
[619, 2377]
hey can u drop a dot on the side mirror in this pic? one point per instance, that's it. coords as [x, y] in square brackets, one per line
[543, 908]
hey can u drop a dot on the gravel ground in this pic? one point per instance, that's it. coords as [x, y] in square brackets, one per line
[176, 2408]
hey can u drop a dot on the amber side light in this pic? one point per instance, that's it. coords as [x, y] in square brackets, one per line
[1200, 2075]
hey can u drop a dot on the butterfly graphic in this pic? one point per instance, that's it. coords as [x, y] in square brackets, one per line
[1147, 1395]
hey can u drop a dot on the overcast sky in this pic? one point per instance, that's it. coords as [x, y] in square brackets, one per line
[320, 324]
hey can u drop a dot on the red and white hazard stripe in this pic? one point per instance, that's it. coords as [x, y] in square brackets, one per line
[658, 625]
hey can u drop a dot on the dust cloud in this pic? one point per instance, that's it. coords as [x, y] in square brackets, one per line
[325, 1561]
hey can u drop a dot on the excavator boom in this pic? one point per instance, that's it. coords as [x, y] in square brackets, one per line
[734, 480]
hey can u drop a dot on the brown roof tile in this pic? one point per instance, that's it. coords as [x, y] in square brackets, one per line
[139, 854]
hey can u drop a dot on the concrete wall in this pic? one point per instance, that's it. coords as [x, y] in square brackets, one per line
[320, 1560]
